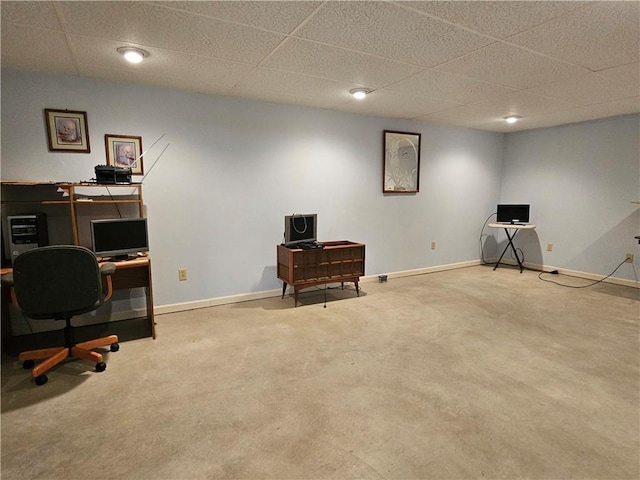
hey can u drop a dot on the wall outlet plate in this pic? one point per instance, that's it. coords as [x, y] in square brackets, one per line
[629, 258]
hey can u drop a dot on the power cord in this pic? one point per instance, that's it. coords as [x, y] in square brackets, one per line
[555, 272]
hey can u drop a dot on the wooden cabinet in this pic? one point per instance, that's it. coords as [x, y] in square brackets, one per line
[338, 261]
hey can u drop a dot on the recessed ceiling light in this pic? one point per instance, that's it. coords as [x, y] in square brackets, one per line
[512, 118]
[133, 54]
[359, 93]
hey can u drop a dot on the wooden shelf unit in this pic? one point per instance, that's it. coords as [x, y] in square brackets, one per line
[338, 261]
[22, 197]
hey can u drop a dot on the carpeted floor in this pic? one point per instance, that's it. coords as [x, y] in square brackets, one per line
[463, 374]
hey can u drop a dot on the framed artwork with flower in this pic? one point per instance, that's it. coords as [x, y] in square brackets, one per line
[124, 151]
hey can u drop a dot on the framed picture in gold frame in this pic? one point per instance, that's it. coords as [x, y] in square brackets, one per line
[124, 151]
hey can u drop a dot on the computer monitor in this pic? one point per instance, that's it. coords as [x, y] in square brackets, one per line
[513, 213]
[119, 238]
[299, 228]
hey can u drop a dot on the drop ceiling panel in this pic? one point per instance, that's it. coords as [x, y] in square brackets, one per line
[511, 66]
[150, 25]
[34, 14]
[589, 89]
[276, 81]
[36, 49]
[192, 84]
[395, 104]
[446, 86]
[598, 36]
[203, 70]
[426, 60]
[360, 69]
[387, 30]
[525, 104]
[277, 16]
[497, 19]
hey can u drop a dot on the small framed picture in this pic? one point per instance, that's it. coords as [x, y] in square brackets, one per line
[124, 151]
[67, 131]
[401, 162]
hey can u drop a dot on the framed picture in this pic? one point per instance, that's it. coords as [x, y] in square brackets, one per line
[401, 163]
[67, 131]
[124, 151]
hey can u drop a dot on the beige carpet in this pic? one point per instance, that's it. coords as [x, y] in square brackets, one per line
[465, 374]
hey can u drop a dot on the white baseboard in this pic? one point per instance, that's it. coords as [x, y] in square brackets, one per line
[212, 302]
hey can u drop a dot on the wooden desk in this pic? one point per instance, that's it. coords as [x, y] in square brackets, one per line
[129, 274]
[338, 261]
[507, 228]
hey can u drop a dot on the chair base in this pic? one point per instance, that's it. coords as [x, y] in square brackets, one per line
[53, 356]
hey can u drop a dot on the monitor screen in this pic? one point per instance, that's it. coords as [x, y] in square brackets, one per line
[120, 237]
[513, 213]
[299, 228]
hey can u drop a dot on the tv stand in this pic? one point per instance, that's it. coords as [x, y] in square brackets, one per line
[336, 261]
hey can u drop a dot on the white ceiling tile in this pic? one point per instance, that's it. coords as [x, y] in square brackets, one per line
[285, 98]
[197, 85]
[218, 47]
[387, 103]
[36, 49]
[510, 66]
[629, 74]
[321, 60]
[463, 116]
[497, 19]
[278, 16]
[521, 103]
[588, 89]
[150, 25]
[445, 86]
[385, 29]
[32, 14]
[599, 36]
[102, 53]
[277, 81]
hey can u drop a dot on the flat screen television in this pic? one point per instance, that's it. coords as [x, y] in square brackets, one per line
[119, 238]
[299, 228]
[512, 213]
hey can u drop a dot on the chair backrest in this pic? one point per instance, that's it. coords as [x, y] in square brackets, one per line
[57, 281]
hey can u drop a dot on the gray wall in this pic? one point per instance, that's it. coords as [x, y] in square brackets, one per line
[217, 198]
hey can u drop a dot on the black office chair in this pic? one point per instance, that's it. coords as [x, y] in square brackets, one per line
[59, 282]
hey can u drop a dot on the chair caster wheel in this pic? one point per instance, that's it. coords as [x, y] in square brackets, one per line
[101, 367]
[28, 364]
[114, 347]
[41, 379]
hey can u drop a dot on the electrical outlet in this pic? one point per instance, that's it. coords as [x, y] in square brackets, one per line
[433, 245]
[182, 274]
[549, 247]
[629, 258]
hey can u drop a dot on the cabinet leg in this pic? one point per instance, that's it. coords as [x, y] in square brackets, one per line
[341, 284]
[295, 297]
[357, 288]
[284, 288]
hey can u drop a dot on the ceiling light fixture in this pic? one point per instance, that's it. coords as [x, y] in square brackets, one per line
[512, 118]
[133, 54]
[359, 93]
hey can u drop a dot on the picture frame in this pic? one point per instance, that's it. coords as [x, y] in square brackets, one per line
[124, 151]
[401, 162]
[67, 131]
